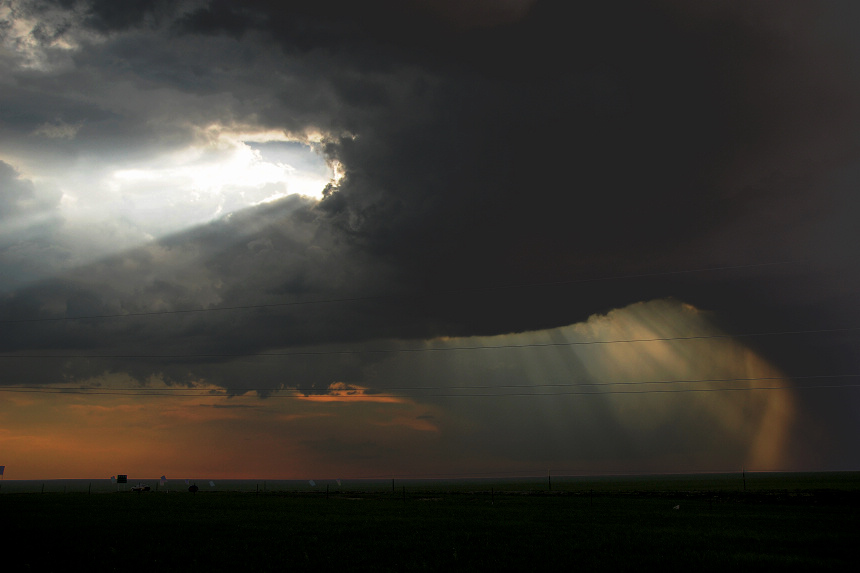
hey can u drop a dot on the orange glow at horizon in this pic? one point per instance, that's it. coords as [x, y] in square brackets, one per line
[342, 392]
[68, 436]
[636, 423]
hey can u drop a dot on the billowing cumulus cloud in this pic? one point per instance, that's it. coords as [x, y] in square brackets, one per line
[350, 177]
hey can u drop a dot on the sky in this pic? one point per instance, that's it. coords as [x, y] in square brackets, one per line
[430, 238]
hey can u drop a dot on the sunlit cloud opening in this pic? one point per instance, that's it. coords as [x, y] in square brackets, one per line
[338, 171]
[228, 163]
[222, 172]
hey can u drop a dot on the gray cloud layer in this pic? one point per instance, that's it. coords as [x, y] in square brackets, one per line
[480, 150]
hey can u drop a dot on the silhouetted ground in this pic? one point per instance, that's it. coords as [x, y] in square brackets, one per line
[404, 530]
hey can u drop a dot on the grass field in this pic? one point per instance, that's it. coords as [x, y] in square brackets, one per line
[446, 528]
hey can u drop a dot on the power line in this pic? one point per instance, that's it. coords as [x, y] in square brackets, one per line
[635, 383]
[388, 296]
[432, 349]
[482, 395]
[305, 393]
[601, 393]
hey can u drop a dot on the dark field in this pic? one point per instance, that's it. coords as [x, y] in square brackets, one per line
[596, 525]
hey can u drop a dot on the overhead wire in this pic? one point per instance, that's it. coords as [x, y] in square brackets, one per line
[387, 296]
[330, 352]
[415, 391]
[359, 397]
[427, 348]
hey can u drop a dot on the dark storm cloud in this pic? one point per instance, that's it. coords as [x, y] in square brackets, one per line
[270, 255]
[104, 15]
[27, 219]
[629, 138]
[16, 194]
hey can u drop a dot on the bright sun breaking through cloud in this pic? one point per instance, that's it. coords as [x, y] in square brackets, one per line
[229, 168]
[102, 204]
[221, 172]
